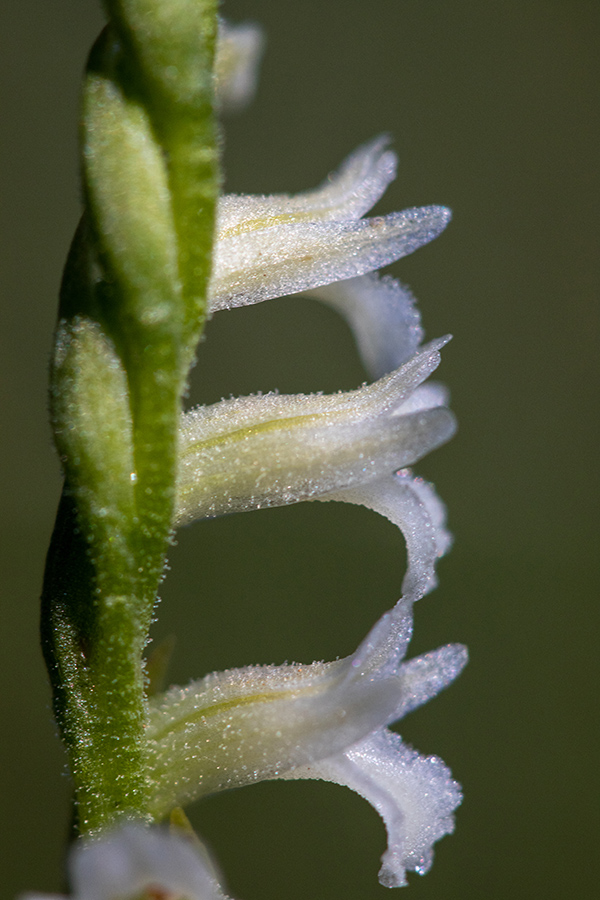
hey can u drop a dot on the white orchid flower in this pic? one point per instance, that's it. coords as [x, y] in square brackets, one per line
[273, 450]
[276, 245]
[139, 863]
[326, 721]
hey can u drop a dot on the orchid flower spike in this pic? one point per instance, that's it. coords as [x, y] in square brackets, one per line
[142, 863]
[326, 721]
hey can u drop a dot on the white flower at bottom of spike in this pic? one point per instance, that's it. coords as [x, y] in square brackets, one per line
[324, 720]
[142, 863]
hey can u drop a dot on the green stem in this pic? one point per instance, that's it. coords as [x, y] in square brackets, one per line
[132, 307]
[94, 658]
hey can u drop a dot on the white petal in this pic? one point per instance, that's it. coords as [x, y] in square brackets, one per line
[284, 259]
[413, 505]
[381, 653]
[415, 796]
[426, 396]
[239, 50]
[245, 725]
[134, 859]
[427, 675]
[382, 315]
[274, 450]
[346, 194]
[434, 507]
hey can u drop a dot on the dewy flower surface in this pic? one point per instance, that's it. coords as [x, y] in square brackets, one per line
[326, 721]
[273, 450]
[270, 246]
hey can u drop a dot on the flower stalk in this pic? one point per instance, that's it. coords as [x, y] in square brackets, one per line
[133, 304]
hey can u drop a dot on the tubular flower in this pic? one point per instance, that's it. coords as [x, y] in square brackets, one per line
[271, 246]
[141, 863]
[272, 450]
[324, 720]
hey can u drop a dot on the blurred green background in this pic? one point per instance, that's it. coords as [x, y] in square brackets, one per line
[493, 108]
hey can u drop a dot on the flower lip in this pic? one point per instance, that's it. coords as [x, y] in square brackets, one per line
[383, 316]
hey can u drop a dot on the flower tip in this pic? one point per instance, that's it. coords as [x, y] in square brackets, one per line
[436, 344]
[463, 651]
[450, 661]
[390, 877]
[440, 217]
